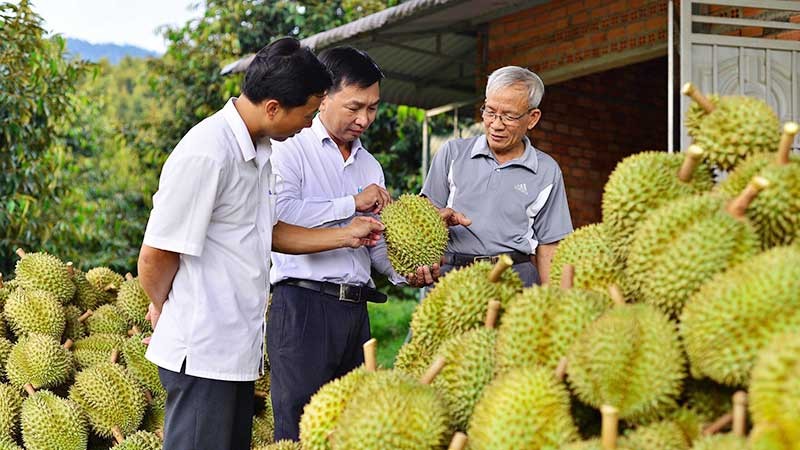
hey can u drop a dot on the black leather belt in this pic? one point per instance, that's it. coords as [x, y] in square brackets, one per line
[352, 293]
[461, 259]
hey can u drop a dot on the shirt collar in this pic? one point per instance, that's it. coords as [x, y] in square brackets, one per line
[322, 135]
[240, 130]
[528, 159]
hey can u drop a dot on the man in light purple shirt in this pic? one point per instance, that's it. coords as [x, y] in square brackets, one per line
[318, 320]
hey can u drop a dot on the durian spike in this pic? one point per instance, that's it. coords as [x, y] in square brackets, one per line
[160, 433]
[261, 394]
[492, 311]
[694, 154]
[738, 206]
[148, 396]
[117, 435]
[790, 129]
[134, 330]
[561, 369]
[503, 263]
[567, 276]
[459, 441]
[610, 426]
[616, 295]
[433, 370]
[29, 389]
[67, 344]
[739, 413]
[21, 253]
[85, 315]
[1, 280]
[371, 355]
[70, 269]
[129, 276]
[114, 356]
[698, 97]
[716, 426]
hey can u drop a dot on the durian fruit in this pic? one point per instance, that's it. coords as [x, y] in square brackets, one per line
[39, 360]
[663, 435]
[262, 385]
[43, 271]
[702, 402]
[86, 295]
[144, 371]
[470, 367]
[720, 442]
[415, 233]
[264, 427]
[683, 244]
[734, 128]
[588, 249]
[106, 281]
[153, 418]
[50, 422]
[107, 319]
[35, 311]
[132, 302]
[631, 358]
[695, 115]
[412, 358]
[775, 386]
[8, 444]
[74, 328]
[5, 350]
[767, 436]
[10, 407]
[522, 408]
[642, 183]
[111, 398]
[284, 444]
[737, 313]
[141, 440]
[96, 349]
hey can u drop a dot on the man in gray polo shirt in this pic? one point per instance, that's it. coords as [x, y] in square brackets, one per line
[513, 192]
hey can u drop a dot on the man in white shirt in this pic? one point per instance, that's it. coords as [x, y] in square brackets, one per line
[204, 261]
[318, 320]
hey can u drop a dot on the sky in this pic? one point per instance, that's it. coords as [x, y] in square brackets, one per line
[115, 21]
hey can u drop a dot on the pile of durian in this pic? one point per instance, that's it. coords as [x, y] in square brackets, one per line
[674, 324]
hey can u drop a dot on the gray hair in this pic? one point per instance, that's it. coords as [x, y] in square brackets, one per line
[510, 75]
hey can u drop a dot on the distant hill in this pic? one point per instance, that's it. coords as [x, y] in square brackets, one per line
[113, 52]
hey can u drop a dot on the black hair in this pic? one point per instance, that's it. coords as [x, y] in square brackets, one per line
[287, 72]
[350, 66]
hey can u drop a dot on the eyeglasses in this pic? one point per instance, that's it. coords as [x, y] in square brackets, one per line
[507, 119]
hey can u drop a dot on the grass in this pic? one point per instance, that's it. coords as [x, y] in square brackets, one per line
[389, 325]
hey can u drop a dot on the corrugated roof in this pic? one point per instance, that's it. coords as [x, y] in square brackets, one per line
[426, 48]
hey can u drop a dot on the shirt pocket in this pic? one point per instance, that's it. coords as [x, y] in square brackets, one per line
[239, 202]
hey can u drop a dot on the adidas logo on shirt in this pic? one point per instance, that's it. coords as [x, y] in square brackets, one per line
[522, 187]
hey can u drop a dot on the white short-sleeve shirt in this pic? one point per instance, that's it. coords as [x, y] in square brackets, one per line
[214, 206]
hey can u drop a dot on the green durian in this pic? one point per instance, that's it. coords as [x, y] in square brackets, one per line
[74, 329]
[767, 436]
[284, 444]
[153, 418]
[264, 427]
[50, 422]
[735, 315]
[588, 249]
[87, 296]
[43, 271]
[426, 330]
[10, 407]
[263, 383]
[740, 176]
[415, 233]
[522, 408]
[413, 359]
[630, 358]
[35, 311]
[132, 302]
[775, 386]
[141, 440]
[39, 360]
[106, 282]
[664, 435]
[8, 444]
[640, 184]
[720, 442]
[107, 319]
[110, 397]
[144, 371]
[5, 350]
[96, 348]
[695, 115]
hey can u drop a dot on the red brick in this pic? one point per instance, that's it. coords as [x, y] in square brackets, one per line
[752, 31]
[793, 35]
[795, 19]
[575, 6]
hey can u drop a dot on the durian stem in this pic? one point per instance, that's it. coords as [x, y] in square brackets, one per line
[567, 276]
[117, 435]
[85, 315]
[433, 370]
[70, 269]
[738, 206]
[129, 276]
[610, 426]
[459, 441]
[492, 311]
[134, 330]
[616, 295]
[67, 344]
[21, 253]
[698, 97]
[716, 426]
[29, 389]
[371, 355]
[561, 370]
[148, 396]
[261, 394]
[739, 413]
[790, 129]
[110, 287]
[694, 154]
[114, 356]
[160, 433]
[503, 263]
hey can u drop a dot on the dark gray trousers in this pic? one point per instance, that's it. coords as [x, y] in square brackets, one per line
[526, 271]
[204, 414]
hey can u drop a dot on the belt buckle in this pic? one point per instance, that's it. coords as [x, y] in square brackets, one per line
[344, 290]
[491, 259]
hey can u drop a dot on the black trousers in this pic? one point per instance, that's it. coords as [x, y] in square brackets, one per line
[205, 414]
[312, 338]
[526, 271]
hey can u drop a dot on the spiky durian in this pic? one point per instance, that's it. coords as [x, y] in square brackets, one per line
[522, 408]
[736, 314]
[695, 115]
[35, 311]
[39, 360]
[5, 350]
[631, 358]
[720, 442]
[110, 397]
[87, 296]
[413, 359]
[106, 281]
[141, 440]
[768, 436]
[383, 410]
[664, 435]
[640, 184]
[74, 329]
[10, 406]
[132, 302]
[283, 444]
[7, 443]
[96, 348]
[415, 233]
[264, 427]
[107, 319]
[144, 371]
[153, 418]
[588, 249]
[775, 387]
[53, 423]
[43, 271]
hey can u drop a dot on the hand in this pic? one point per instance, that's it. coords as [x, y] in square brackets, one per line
[424, 276]
[152, 315]
[372, 199]
[453, 218]
[363, 230]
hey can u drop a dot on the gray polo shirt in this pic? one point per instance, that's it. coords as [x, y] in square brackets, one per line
[513, 206]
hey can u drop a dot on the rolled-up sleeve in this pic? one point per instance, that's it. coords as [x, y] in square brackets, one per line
[553, 222]
[436, 186]
[183, 205]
